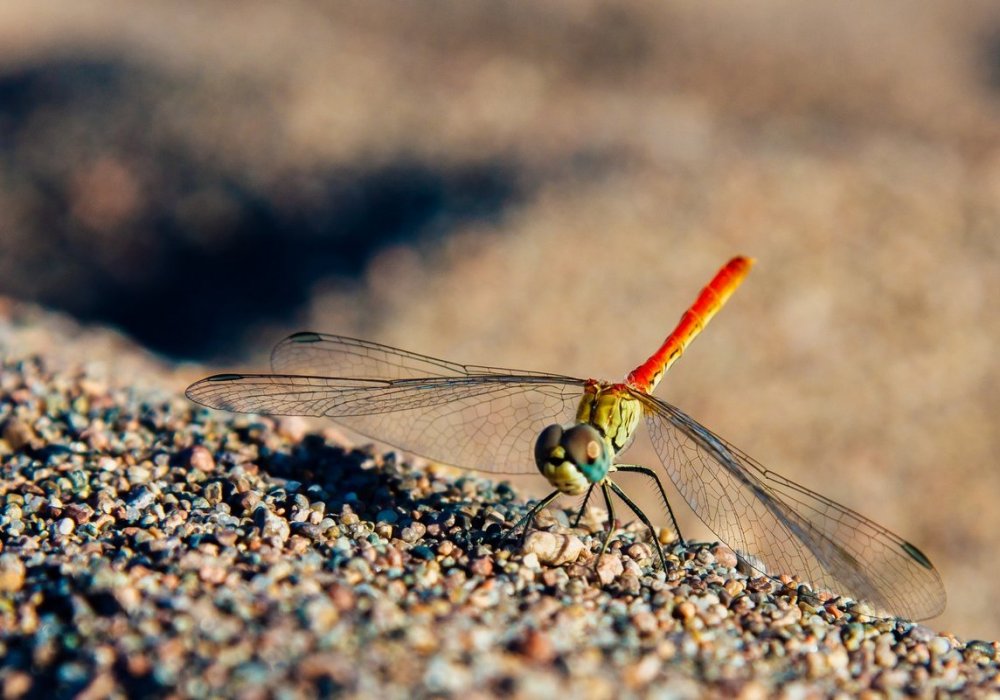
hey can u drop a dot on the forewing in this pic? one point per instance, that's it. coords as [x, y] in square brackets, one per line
[324, 355]
[485, 421]
[784, 528]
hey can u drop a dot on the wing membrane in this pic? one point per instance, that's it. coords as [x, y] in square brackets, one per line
[325, 355]
[479, 421]
[772, 521]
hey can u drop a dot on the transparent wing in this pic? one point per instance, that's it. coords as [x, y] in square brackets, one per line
[324, 355]
[781, 527]
[480, 421]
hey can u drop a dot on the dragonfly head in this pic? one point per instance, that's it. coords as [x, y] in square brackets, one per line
[572, 458]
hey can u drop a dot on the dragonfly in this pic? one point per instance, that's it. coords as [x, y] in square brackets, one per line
[485, 418]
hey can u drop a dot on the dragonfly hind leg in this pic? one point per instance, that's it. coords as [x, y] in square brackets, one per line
[646, 471]
[642, 516]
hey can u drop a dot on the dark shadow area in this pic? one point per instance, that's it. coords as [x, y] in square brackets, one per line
[117, 213]
[990, 58]
[354, 480]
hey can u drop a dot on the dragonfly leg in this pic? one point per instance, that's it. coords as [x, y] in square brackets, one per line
[526, 519]
[663, 494]
[583, 506]
[611, 521]
[642, 517]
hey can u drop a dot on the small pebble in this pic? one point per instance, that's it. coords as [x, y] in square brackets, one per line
[16, 684]
[609, 567]
[79, 513]
[939, 646]
[685, 610]
[537, 647]
[387, 516]
[422, 552]
[12, 573]
[641, 673]
[640, 552]
[552, 549]
[483, 566]
[213, 492]
[724, 556]
[530, 562]
[272, 525]
[18, 434]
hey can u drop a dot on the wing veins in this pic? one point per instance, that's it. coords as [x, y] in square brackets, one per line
[849, 548]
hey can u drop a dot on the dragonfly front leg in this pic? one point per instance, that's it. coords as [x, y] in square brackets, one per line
[611, 520]
[583, 506]
[526, 519]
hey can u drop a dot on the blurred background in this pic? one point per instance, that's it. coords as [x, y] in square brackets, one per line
[547, 186]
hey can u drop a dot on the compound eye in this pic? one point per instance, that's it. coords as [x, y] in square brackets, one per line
[583, 444]
[547, 441]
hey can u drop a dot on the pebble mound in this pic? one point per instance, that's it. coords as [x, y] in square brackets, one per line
[150, 547]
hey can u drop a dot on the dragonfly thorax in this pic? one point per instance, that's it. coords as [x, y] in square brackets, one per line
[573, 458]
[612, 410]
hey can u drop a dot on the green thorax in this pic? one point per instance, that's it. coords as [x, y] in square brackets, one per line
[612, 410]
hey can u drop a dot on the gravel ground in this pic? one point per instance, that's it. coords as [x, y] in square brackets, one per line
[150, 547]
